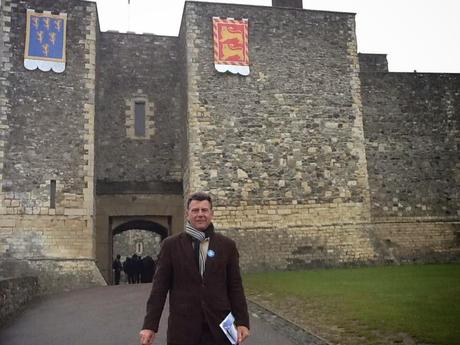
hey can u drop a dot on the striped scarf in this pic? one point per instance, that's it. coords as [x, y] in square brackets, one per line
[198, 237]
[196, 234]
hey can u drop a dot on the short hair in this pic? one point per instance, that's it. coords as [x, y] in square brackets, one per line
[199, 196]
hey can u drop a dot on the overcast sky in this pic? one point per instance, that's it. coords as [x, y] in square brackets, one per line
[422, 35]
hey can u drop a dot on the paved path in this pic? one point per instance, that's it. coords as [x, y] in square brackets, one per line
[109, 315]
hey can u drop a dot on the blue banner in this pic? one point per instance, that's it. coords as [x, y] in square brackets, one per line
[45, 39]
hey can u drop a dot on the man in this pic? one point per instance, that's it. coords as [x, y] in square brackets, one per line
[200, 269]
[116, 266]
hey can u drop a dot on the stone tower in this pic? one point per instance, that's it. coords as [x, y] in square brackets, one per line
[47, 153]
[282, 149]
[319, 157]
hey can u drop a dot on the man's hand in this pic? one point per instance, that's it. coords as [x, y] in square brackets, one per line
[243, 333]
[146, 336]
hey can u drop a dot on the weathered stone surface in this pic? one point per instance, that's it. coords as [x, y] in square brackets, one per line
[125, 243]
[319, 157]
[411, 126]
[287, 3]
[373, 63]
[134, 67]
[48, 135]
[54, 274]
[46, 126]
[294, 119]
[15, 293]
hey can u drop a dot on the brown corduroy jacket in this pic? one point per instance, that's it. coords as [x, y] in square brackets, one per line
[194, 300]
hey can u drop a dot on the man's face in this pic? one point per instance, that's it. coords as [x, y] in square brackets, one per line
[199, 214]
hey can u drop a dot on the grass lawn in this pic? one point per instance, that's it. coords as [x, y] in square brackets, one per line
[374, 305]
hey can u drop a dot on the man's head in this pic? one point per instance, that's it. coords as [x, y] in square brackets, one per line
[199, 210]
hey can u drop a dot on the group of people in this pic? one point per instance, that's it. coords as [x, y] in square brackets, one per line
[137, 269]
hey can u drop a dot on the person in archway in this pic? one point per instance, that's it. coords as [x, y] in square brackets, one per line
[200, 269]
[129, 270]
[148, 269]
[117, 267]
[137, 268]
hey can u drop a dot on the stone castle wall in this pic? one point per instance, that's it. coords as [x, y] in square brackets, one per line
[138, 176]
[411, 126]
[15, 293]
[49, 135]
[291, 131]
[319, 157]
[282, 150]
[138, 68]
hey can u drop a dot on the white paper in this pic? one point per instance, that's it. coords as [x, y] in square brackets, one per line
[228, 327]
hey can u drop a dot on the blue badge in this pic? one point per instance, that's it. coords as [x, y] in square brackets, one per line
[211, 253]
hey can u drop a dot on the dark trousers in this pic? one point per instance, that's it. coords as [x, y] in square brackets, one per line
[117, 277]
[207, 338]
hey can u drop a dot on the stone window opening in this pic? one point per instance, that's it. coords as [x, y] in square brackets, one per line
[52, 193]
[139, 117]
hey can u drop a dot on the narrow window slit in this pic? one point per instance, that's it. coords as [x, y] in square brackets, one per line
[139, 119]
[53, 194]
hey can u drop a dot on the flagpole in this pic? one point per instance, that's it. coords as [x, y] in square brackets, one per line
[129, 15]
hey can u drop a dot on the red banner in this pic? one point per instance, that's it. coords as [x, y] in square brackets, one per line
[231, 45]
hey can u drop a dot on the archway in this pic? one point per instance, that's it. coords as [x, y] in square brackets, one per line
[141, 224]
[137, 238]
[122, 211]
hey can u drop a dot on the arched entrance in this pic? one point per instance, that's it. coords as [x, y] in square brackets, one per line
[156, 215]
[141, 237]
[138, 237]
[141, 224]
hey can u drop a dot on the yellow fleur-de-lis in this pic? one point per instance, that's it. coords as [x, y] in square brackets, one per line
[45, 49]
[46, 21]
[35, 22]
[57, 24]
[40, 36]
[52, 36]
